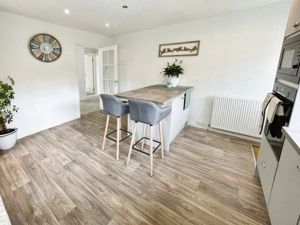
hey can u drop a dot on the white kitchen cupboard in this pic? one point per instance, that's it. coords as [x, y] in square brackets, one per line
[266, 165]
[293, 24]
[284, 206]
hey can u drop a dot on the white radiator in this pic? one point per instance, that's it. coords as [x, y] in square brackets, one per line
[236, 115]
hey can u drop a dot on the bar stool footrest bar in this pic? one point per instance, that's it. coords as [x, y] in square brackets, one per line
[126, 131]
[139, 150]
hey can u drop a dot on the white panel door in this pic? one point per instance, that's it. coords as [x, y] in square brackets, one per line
[108, 70]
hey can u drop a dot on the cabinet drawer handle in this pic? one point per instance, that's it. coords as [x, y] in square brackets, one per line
[296, 24]
[263, 163]
[298, 168]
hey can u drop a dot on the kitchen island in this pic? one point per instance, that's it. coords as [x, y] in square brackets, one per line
[179, 97]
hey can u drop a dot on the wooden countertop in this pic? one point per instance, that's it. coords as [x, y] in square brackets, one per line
[158, 94]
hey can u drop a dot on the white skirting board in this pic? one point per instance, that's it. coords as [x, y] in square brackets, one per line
[207, 127]
[254, 139]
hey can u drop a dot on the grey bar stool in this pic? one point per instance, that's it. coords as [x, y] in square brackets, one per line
[114, 107]
[150, 114]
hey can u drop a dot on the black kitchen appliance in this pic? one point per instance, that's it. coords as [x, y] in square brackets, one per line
[273, 131]
[285, 88]
[289, 63]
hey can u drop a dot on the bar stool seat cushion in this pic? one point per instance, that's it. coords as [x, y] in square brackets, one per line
[114, 106]
[147, 112]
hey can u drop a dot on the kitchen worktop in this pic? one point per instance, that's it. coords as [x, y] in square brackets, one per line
[159, 94]
[293, 136]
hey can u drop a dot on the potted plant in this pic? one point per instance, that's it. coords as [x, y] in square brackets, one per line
[172, 72]
[8, 136]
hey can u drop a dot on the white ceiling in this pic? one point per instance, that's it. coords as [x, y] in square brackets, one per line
[91, 15]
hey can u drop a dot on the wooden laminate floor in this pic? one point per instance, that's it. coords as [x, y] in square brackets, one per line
[60, 176]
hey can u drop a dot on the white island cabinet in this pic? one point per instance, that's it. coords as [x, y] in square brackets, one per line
[284, 206]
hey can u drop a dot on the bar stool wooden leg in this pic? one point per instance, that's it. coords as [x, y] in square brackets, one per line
[129, 124]
[144, 135]
[118, 136]
[105, 132]
[151, 150]
[161, 139]
[132, 141]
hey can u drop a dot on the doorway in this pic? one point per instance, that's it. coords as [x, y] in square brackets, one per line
[90, 74]
[97, 73]
[88, 80]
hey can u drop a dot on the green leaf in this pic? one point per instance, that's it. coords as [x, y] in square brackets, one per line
[7, 95]
[173, 70]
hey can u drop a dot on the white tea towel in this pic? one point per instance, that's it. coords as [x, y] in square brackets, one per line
[273, 108]
[265, 104]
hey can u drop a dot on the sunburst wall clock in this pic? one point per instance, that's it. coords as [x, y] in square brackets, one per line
[45, 47]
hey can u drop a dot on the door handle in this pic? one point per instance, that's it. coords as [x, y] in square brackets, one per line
[263, 163]
[296, 24]
[298, 168]
[298, 220]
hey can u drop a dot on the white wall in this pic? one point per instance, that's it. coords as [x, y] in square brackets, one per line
[80, 62]
[238, 56]
[46, 93]
[81, 71]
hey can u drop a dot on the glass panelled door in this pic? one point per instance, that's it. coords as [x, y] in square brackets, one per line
[108, 70]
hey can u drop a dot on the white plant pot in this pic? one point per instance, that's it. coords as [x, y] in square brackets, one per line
[173, 81]
[8, 140]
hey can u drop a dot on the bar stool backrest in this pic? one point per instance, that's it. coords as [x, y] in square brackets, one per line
[113, 105]
[144, 111]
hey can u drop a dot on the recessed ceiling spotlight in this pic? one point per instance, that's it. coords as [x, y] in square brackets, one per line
[107, 25]
[67, 11]
[125, 6]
